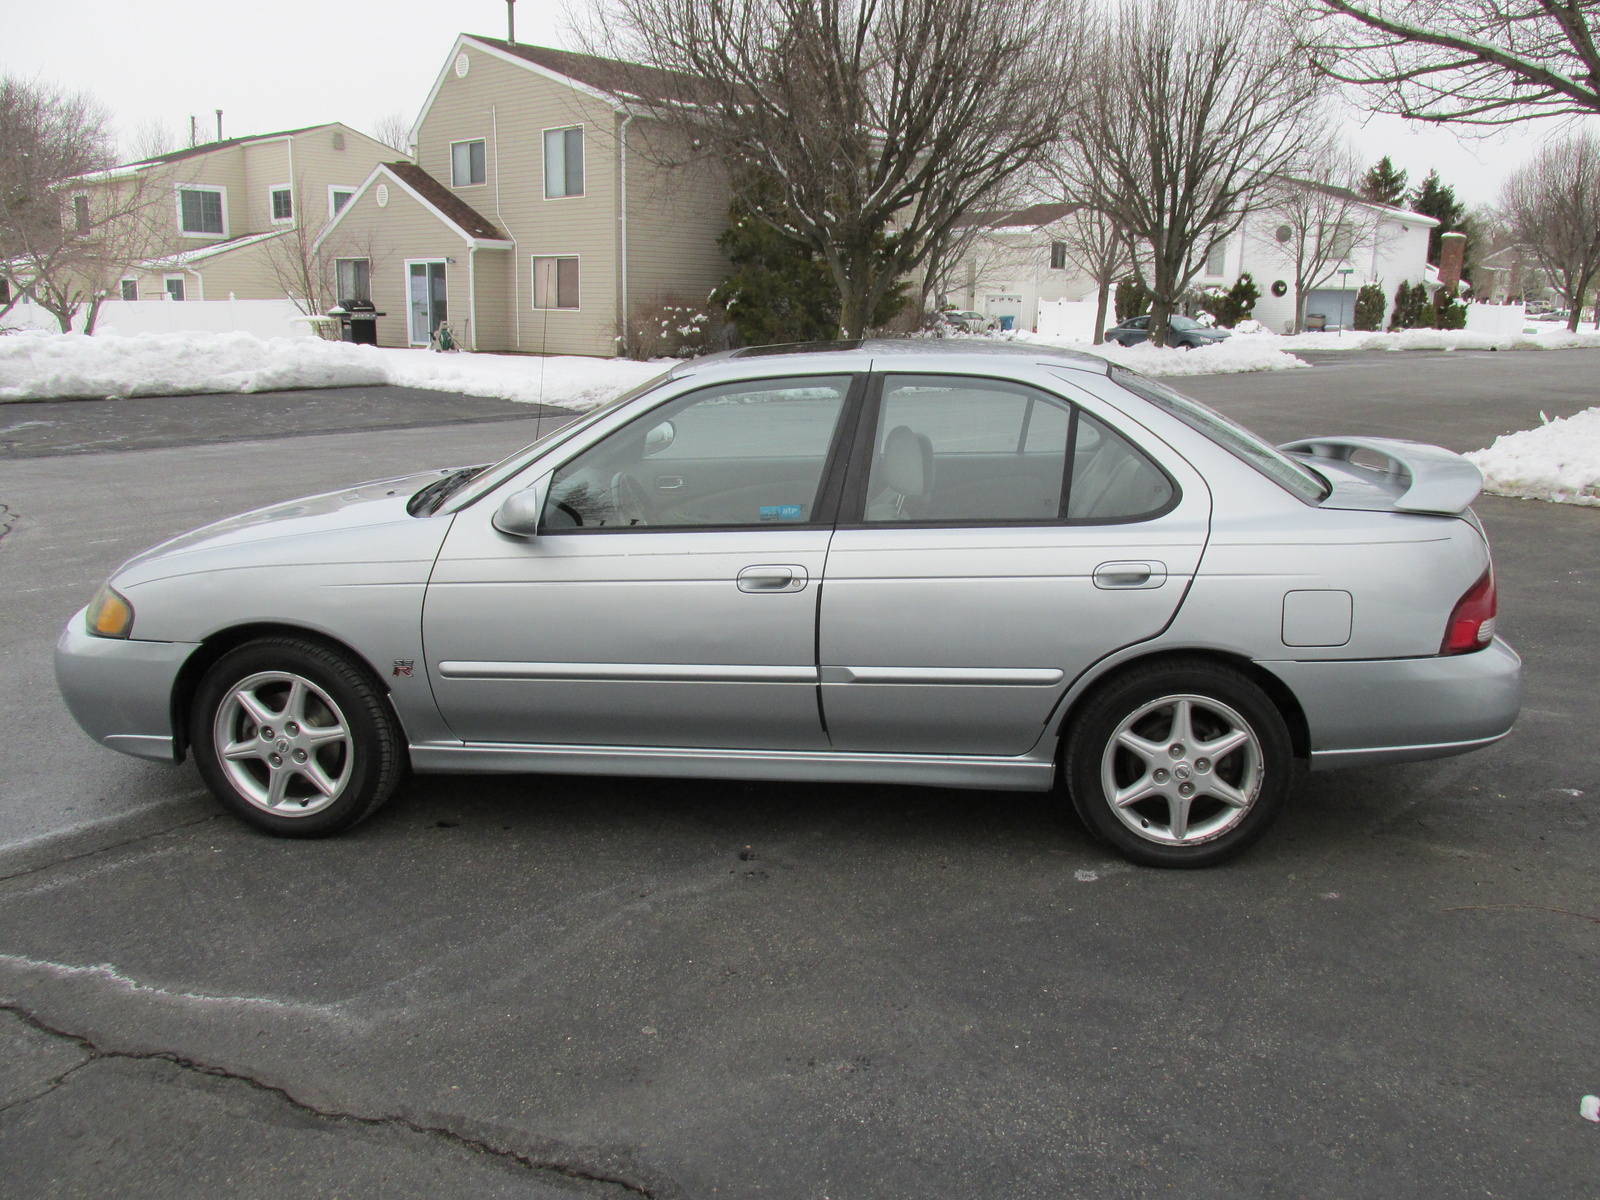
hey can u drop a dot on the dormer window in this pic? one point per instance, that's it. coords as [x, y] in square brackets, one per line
[468, 167]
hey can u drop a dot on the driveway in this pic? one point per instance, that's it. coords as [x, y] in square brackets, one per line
[587, 986]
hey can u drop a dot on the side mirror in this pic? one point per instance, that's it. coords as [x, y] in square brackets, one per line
[519, 514]
[659, 438]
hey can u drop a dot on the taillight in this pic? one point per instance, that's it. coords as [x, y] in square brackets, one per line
[1471, 624]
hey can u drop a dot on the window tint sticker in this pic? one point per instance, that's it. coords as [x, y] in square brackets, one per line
[783, 512]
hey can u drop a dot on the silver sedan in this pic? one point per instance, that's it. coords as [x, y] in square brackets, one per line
[905, 562]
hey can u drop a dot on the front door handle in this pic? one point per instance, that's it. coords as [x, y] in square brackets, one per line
[1128, 576]
[781, 578]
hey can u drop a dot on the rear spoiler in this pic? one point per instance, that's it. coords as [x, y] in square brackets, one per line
[1418, 477]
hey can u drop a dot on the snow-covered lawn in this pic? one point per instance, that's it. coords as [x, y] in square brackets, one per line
[1428, 339]
[40, 366]
[1559, 460]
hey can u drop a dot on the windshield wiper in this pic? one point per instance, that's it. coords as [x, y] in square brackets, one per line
[427, 501]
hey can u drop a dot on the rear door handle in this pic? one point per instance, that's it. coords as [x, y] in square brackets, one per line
[1130, 576]
[669, 483]
[781, 578]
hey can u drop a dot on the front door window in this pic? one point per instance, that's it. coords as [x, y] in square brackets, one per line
[426, 292]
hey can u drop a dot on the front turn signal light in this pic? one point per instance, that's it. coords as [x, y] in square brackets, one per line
[110, 615]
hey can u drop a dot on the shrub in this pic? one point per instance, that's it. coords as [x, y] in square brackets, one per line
[1369, 308]
[672, 327]
[1410, 303]
[1452, 313]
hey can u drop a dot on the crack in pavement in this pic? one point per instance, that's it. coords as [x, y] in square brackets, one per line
[570, 1169]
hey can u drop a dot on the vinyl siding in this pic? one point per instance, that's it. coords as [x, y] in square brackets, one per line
[674, 219]
[509, 107]
[493, 269]
[405, 230]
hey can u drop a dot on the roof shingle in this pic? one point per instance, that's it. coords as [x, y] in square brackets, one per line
[468, 219]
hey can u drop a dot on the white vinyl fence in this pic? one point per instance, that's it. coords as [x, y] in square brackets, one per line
[1496, 320]
[264, 318]
[1068, 320]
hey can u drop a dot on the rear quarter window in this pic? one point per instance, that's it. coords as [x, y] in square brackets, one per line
[1293, 477]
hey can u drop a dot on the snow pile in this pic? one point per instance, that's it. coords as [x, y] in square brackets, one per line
[1230, 356]
[42, 365]
[1426, 339]
[1559, 461]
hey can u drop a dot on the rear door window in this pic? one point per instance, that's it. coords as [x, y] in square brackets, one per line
[954, 449]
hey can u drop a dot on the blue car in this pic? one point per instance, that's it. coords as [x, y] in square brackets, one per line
[1184, 332]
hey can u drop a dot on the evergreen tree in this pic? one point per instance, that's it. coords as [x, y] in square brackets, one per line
[779, 290]
[1409, 302]
[1438, 200]
[1133, 300]
[1383, 184]
[1450, 312]
[1242, 297]
[1369, 307]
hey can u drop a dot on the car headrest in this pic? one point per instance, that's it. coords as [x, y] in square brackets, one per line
[908, 462]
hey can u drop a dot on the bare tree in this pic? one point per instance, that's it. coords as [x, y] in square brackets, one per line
[1196, 107]
[305, 264]
[392, 129]
[882, 121]
[1475, 62]
[1098, 247]
[1553, 205]
[1314, 223]
[69, 226]
[152, 137]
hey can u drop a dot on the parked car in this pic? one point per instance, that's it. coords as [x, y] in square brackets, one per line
[959, 564]
[969, 322]
[1183, 332]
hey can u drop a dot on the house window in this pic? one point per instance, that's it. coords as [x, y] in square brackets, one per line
[282, 204]
[174, 287]
[354, 279]
[200, 211]
[5, 291]
[338, 197]
[555, 283]
[130, 289]
[1216, 259]
[563, 162]
[80, 212]
[1058, 256]
[467, 167]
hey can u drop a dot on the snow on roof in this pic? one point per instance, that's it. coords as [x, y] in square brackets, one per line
[1030, 217]
[184, 258]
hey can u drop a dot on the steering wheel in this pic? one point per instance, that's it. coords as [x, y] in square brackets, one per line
[628, 500]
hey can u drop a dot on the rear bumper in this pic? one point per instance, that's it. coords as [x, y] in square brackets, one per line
[1403, 709]
[119, 691]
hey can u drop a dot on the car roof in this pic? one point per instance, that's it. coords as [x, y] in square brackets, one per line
[917, 350]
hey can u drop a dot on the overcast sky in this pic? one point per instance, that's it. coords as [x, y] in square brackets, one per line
[298, 62]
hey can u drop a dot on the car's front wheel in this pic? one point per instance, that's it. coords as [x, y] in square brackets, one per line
[294, 738]
[1179, 764]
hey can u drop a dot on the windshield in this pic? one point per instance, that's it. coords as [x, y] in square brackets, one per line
[489, 478]
[1183, 323]
[1236, 439]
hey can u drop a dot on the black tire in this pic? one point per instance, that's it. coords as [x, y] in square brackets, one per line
[1215, 698]
[366, 764]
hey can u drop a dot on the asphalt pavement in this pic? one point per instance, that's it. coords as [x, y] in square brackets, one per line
[564, 986]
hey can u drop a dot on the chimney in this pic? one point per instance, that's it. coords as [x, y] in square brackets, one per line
[511, 20]
[1452, 253]
[219, 124]
[194, 130]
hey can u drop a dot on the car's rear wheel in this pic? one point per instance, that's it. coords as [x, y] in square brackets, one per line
[1178, 764]
[294, 738]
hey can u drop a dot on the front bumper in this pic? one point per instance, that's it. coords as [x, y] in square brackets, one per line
[120, 691]
[1403, 709]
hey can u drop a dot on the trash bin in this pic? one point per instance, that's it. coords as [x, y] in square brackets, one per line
[1006, 322]
[1316, 322]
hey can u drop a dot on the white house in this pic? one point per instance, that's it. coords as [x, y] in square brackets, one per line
[1018, 265]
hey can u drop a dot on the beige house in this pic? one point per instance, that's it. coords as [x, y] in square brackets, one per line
[533, 220]
[219, 220]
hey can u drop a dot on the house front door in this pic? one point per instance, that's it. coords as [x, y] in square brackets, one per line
[425, 299]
